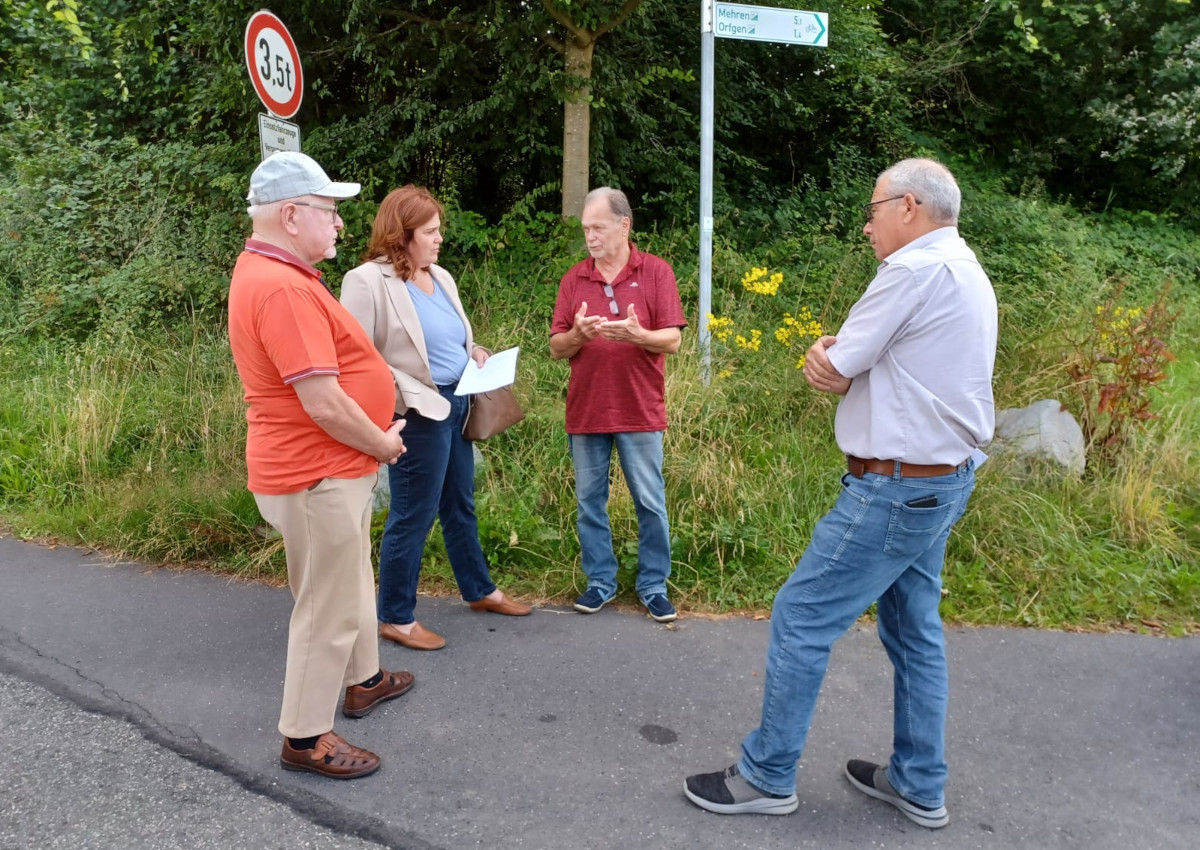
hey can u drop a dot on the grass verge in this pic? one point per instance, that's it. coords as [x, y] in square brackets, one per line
[132, 443]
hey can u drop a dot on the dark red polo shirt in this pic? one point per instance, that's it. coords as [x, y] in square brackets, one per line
[616, 386]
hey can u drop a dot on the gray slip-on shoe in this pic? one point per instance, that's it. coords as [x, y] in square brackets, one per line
[871, 779]
[727, 792]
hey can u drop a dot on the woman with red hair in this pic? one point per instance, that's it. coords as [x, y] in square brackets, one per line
[410, 309]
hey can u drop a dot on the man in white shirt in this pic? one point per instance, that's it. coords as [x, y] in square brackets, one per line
[913, 363]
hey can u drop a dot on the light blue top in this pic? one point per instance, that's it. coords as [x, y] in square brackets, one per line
[445, 333]
[920, 345]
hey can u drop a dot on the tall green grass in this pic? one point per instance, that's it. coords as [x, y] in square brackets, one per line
[133, 441]
[129, 443]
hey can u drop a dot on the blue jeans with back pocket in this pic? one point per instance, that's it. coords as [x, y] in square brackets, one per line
[870, 547]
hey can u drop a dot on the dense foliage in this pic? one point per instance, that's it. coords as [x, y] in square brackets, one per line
[1098, 99]
[127, 128]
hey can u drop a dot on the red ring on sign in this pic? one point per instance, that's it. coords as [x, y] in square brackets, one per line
[260, 21]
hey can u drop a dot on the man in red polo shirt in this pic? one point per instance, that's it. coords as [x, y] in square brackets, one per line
[617, 315]
[320, 421]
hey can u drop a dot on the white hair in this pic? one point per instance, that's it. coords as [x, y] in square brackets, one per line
[618, 204]
[257, 211]
[929, 182]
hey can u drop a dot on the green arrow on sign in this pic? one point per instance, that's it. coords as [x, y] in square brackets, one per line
[767, 23]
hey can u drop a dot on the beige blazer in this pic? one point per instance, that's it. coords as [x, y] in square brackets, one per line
[377, 297]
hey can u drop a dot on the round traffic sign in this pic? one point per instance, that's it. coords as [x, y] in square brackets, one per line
[274, 64]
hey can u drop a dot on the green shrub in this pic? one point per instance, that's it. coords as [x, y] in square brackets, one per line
[117, 234]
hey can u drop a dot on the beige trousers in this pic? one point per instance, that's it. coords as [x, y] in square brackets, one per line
[333, 634]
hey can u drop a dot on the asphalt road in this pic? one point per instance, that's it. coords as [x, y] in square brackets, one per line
[78, 780]
[138, 709]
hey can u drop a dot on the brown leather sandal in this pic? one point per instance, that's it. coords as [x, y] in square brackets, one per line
[332, 757]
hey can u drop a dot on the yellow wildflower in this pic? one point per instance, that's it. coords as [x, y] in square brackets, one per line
[761, 282]
[752, 343]
[720, 327]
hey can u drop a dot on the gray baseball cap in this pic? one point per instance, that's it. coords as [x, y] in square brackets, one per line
[290, 174]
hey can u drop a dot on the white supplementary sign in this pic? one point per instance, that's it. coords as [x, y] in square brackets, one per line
[767, 23]
[275, 134]
[274, 64]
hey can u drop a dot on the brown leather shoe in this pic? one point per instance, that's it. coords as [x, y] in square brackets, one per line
[331, 757]
[419, 638]
[361, 701]
[503, 605]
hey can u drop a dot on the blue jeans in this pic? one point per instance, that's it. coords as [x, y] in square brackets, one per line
[641, 456]
[434, 477]
[870, 547]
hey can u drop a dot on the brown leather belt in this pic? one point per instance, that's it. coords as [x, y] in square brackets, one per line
[858, 466]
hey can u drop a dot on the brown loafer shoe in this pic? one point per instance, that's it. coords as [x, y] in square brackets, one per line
[419, 638]
[331, 757]
[503, 605]
[361, 701]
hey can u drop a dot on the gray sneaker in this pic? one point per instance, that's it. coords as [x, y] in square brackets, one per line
[871, 779]
[727, 792]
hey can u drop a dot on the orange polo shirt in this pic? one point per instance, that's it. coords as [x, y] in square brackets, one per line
[285, 325]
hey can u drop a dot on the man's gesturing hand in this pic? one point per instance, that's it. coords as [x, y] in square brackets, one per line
[587, 326]
[628, 329]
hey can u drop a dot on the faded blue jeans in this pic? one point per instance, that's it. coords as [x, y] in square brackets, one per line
[641, 457]
[434, 477]
[870, 547]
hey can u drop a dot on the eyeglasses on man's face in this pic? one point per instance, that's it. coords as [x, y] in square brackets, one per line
[869, 208]
[331, 208]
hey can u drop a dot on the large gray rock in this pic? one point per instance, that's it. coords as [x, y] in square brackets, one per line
[1045, 430]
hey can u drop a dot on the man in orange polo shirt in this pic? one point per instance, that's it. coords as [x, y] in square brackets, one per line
[320, 421]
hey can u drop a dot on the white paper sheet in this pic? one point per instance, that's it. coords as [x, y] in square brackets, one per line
[500, 370]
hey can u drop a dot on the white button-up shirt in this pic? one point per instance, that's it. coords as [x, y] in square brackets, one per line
[920, 345]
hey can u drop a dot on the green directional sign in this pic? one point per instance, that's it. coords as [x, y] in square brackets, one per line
[768, 23]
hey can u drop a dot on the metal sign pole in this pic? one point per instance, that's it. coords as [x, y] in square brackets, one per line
[753, 23]
[707, 43]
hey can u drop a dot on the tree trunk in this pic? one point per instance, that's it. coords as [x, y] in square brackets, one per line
[577, 123]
